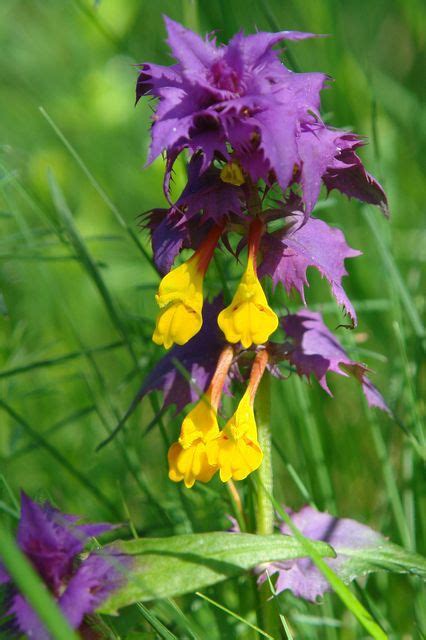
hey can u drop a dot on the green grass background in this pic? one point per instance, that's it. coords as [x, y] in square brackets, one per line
[77, 292]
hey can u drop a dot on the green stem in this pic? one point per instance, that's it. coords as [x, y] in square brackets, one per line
[264, 506]
[268, 614]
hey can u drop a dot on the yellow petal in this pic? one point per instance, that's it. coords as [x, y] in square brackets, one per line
[237, 450]
[190, 464]
[185, 284]
[173, 456]
[176, 323]
[248, 319]
[243, 422]
[237, 458]
[201, 422]
[180, 298]
[189, 459]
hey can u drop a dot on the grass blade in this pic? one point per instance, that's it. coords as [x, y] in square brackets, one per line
[394, 275]
[84, 480]
[111, 206]
[155, 623]
[52, 362]
[87, 261]
[234, 615]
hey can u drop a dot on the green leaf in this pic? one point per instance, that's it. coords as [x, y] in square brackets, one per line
[385, 557]
[168, 567]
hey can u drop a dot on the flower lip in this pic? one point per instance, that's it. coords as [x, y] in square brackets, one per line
[236, 451]
[249, 319]
[192, 457]
[180, 296]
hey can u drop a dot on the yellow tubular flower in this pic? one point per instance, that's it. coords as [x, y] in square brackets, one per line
[191, 458]
[249, 319]
[188, 458]
[236, 451]
[180, 296]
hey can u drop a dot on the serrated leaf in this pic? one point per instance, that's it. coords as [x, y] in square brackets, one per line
[168, 567]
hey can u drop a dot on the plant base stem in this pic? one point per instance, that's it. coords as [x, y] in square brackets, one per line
[264, 507]
[269, 620]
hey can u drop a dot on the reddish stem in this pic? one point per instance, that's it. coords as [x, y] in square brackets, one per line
[257, 371]
[255, 234]
[206, 249]
[219, 377]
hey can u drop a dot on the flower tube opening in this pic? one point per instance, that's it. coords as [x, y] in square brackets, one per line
[236, 451]
[249, 319]
[180, 296]
[192, 457]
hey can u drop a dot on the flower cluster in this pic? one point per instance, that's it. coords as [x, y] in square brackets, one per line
[202, 448]
[52, 542]
[259, 153]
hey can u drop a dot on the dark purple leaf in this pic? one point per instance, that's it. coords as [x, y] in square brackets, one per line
[314, 350]
[289, 253]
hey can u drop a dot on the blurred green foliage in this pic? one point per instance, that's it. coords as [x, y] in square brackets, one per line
[76, 293]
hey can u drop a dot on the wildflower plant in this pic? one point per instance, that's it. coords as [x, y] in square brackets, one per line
[256, 151]
[257, 154]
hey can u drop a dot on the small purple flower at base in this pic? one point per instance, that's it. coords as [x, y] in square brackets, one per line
[52, 542]
[97, 577]
[301, 576]
[51, 539]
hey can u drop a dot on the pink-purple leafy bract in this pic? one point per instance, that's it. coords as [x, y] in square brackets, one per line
[52, 542]
[301, 576]
[314, 350]
[242, 96]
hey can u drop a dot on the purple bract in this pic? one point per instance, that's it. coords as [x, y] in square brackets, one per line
[205, 201]
[242, 95]
[301, 576]
[52, 542]
[313, 350]
[289, 253]
[186, 371]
